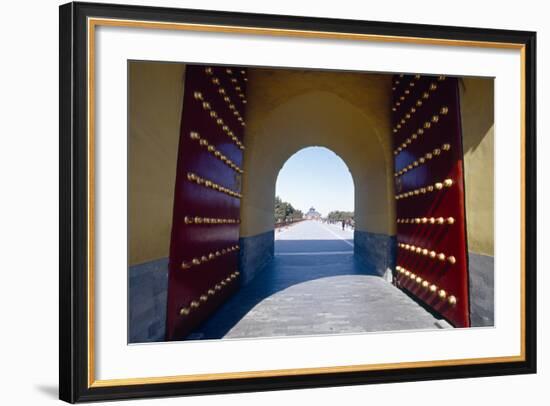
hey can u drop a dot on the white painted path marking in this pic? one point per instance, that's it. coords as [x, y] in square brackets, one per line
[336, 235]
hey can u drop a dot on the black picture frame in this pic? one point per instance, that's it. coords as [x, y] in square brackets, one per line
[74, 199]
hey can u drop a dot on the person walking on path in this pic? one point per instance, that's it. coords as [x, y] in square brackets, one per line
[343, 225]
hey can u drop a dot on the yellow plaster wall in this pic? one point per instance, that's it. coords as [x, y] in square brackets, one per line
[155, 96]
[477, 108]
[348, 113]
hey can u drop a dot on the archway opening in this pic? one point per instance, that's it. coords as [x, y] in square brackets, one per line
[314, 204]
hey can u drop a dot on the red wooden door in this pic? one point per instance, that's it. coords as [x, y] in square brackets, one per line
[429, 191]
[205, 228]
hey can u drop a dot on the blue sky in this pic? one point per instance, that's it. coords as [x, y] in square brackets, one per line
[317, 177]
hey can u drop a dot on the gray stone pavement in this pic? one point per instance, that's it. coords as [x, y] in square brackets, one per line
[314, 285]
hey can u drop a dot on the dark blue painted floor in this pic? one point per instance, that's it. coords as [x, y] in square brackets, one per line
[314, 285]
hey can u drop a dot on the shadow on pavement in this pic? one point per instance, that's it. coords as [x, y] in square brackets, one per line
[283, 246]
[311, 259]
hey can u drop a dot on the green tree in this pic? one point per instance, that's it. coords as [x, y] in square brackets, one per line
[337, 215]
[284, 211]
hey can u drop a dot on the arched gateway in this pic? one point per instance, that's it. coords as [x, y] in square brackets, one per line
[238, 126]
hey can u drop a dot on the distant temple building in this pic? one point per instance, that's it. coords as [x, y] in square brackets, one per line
[312, 214]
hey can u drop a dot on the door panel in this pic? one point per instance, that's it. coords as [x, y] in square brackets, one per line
[205, 228]
[429, 192]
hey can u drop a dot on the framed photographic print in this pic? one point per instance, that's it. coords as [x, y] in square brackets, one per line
[255, 202]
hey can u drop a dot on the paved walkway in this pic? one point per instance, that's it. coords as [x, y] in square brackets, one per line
[314, 285]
